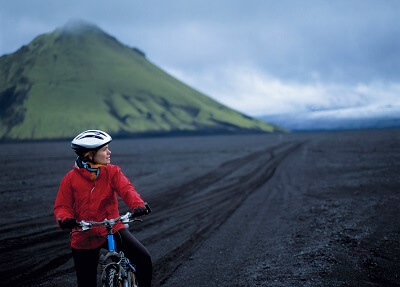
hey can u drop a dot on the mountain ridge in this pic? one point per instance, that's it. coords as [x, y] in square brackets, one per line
[79, 77]
[309, 122]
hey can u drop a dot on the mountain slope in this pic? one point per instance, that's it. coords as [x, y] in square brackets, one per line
[79, 77]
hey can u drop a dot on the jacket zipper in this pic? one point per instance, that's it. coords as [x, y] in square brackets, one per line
[91, 191]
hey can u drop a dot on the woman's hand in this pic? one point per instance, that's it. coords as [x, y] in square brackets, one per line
[141, 210]
[68, 223]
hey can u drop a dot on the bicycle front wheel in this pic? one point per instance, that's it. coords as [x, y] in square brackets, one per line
[111, 279]
[131, 281]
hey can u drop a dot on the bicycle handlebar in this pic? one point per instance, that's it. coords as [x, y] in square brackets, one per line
[126, 218]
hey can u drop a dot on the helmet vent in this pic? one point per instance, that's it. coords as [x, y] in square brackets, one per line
[91, 136]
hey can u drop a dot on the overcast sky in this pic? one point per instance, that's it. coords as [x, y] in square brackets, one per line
[258, 57]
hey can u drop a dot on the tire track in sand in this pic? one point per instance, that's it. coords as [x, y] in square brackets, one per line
[209, 202]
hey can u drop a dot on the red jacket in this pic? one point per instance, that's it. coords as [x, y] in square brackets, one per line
[82, 198]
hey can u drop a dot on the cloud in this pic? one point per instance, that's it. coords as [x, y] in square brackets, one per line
[255, 93]
[356, 41]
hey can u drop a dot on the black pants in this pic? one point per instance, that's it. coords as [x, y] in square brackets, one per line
[86, 260]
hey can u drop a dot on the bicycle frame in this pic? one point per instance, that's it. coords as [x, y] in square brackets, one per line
[111, 242]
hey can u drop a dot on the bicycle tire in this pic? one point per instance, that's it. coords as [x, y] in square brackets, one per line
[111, 279]
[131, 281]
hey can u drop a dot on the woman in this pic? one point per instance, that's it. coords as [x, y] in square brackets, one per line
[89, 192]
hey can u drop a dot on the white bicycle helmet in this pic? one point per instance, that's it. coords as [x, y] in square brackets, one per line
[90, 140]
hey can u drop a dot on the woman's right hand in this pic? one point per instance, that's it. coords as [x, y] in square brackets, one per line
[68, 223]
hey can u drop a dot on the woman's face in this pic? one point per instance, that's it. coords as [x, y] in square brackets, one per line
[103, 156]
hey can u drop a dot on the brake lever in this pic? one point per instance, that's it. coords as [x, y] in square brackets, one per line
[75, 230]
[135, 219]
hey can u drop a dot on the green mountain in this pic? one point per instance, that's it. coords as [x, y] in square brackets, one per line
[78, 77]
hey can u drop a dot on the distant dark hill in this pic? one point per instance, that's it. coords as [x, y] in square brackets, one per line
[78, 77]
[308, 122]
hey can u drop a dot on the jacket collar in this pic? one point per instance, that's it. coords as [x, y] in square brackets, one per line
[87, 170]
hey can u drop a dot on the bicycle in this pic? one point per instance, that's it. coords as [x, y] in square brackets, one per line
[116, 269]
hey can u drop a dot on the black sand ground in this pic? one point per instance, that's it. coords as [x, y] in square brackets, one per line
[265, 210]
